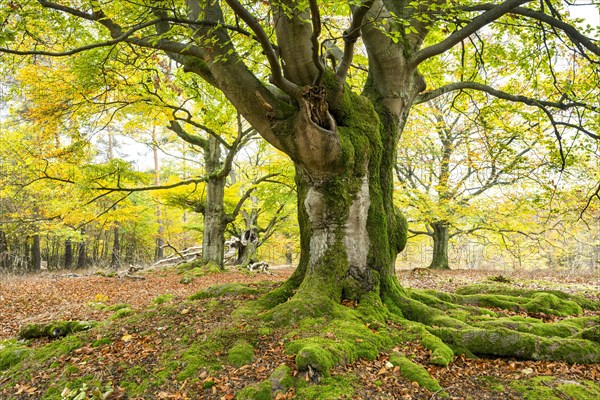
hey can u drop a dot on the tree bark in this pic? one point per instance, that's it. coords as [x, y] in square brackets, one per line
[36, 253]
[68, 253]
[350, 231]
[82, 253]
[160, 251]
[440, 238]
[4, 260]
[115, 260]
[213, 240]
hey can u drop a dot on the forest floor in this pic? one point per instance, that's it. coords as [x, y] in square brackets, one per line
[104, 362]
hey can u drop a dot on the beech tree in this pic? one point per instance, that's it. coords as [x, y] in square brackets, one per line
[456, 151]
[331, 85]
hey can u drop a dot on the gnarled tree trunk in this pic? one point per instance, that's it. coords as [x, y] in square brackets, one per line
[350, 230]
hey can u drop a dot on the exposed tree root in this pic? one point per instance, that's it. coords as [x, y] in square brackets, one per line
[323, 333]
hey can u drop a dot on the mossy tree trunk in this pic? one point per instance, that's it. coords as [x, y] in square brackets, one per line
[350, 230]
[218, 167]
[440, 238]
[213, 240]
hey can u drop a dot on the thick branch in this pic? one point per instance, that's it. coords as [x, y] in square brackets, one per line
[189, 138]
[148, 188]
[570, 30]
[269, 231]
[277, 74]
[424, 97]
[351, 35]
[316, 23]
[489, 16]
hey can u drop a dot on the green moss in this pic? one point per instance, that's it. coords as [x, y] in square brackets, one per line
[228, 289]
[137, 381]
[586, 390]
[576, 328]
[536, 302]
[118, 306]
[508, 290]
[504, 342]
[330, 388]
[257, 391]
[264, 331]
[342, 340]
[199, 268]
[54, 329]
[163, 298]
[592, 334]
[70, 370]
[206, 353]
[441, 354]
[122, 313]
[57, 348]
[240, 354]
[281, 379]
[97, 305]
[101, 342]
[11, 353]
[307, 305]
[538, 388]
[550, 304]
[321, 356]
[414, 372]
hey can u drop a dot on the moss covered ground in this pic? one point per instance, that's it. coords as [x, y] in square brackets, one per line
[217, 342]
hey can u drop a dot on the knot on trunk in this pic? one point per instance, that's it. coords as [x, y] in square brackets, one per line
[315, 99]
